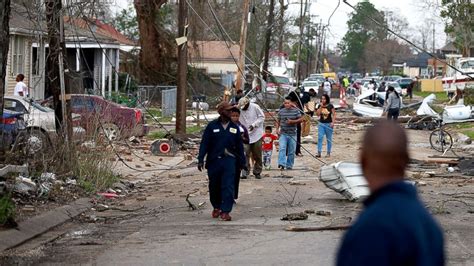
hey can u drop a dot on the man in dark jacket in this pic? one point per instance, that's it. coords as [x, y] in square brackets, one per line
[222, 144]
[394, 228]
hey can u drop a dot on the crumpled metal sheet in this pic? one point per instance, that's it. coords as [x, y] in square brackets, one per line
[345, 178]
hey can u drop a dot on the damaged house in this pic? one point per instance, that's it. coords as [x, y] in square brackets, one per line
[91, 60]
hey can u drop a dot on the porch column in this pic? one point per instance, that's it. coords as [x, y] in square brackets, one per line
[117, 68]
[78, 60]
[102, 80]
[111, 61]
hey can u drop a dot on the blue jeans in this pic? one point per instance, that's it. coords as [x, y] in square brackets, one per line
[287, 142]
[267, 157]
[325, 129]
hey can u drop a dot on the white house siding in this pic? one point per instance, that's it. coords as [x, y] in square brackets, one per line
[213, 68]
[10, 78]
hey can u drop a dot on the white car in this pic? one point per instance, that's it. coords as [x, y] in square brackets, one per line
[311, 85]
[40, 121]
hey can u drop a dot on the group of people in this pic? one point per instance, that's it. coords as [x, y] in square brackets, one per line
[238, 142]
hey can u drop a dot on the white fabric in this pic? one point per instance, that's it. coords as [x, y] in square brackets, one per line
[327, 86]
[20, 87]
[253, 116]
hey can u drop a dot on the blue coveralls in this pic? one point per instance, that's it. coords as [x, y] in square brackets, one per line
[393, 229]
[224, 149]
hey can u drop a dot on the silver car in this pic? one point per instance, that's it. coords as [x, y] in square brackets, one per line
[40, 121]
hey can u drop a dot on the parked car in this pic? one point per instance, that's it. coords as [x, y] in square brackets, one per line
[279, 84]
[113, 120]
[11, 123]
[391, 78]
[311, 85]
[397, 88]
[404, 82]
[39, 120]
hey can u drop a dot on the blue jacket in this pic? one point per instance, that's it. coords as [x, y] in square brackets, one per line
[216, 139]
[393, 229]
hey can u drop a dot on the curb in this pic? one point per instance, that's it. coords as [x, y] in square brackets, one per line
[40, 224]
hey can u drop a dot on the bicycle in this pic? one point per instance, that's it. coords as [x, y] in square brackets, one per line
[440, 139]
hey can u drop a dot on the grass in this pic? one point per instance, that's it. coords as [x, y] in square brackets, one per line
[7, 208]
[441, 97]
[94, 171]
[469, 133]
[161, 134]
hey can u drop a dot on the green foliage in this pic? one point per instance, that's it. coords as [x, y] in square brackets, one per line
[468, 95]
[94, 171]
[126, 23]
[361, 29]
[7, 208]
[460, 24]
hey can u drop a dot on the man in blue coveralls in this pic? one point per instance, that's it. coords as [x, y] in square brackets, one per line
[222, 143]
[394, 228]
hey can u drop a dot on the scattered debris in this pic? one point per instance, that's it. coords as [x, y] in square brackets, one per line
[295, 216]
[323, 213]
[467, 167]
[191, 206]
[296, 183]
[311, 229]
[134, 140]
[28, 208]
[141, 198]
[24, 185]
[108, 195]
[310, 211]
[346, 179]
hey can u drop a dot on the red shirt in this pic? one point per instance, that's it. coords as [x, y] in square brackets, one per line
[267, 141]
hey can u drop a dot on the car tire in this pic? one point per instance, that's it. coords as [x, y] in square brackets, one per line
[36, 142]
[111, 131]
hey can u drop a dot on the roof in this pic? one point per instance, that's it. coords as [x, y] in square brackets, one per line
[101, 28]
[449, 47]
[420, 60]
[214, 51]
[26, 22]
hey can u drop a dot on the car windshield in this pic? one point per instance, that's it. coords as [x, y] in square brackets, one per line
[311, 84]
[282, 80]
[40, 107]
[468, 64]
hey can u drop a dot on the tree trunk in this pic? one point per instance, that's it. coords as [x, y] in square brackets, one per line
[282, 25]
[157, 51]
[53, 17]
[268, 37]
[4, 44]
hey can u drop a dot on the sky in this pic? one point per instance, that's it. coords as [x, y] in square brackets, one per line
[411, 10]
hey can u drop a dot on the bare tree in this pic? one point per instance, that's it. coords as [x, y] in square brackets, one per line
[4, 44]
[382, 55]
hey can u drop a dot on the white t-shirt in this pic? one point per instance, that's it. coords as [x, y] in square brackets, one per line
[327, 86]
[21, 87]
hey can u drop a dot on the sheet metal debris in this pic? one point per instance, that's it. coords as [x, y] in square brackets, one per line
[345, 178]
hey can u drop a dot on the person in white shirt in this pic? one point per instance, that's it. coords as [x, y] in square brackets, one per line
[327, 87]
[252, 117]
[21, 89]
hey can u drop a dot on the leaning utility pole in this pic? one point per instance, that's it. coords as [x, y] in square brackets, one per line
[243, 40]
[182, 70]
[4, 44]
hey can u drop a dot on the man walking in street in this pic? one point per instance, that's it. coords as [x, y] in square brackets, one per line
[252, 118]
[327, 87]
[394, 228]
[288, 117]
[222, 144]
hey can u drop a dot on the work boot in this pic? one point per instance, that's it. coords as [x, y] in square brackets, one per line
[215, 213]
[281, 167]
[318, 155]
[328, 155]
[225, 217]
[258, 176]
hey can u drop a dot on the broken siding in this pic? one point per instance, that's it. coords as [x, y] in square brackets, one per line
[10, 77]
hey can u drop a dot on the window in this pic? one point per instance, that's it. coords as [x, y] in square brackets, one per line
[14, 105]
[18, 55]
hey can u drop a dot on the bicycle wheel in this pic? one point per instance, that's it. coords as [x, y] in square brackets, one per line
[441, 140]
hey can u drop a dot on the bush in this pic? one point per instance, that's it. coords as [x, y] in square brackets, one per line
[469, 96]
[7, 209]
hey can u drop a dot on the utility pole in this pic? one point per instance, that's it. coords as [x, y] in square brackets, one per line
[282, 28]
[4, 44]
[268, 36]
[300, 40]
[243, 40]
[434, 31]
[182, 70]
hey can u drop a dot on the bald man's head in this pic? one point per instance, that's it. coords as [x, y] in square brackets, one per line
[384, 154]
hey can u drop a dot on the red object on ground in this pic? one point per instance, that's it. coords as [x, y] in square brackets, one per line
[108, 195]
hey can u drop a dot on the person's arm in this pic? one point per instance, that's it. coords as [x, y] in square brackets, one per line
[296, 121]
[389, 102]
[203, 146]
[318, 111]
[259, 120]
